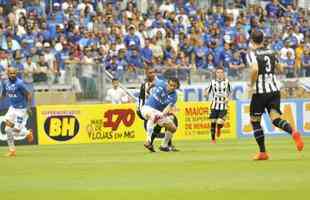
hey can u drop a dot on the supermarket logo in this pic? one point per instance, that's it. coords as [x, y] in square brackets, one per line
[114, 118]
[61, 128]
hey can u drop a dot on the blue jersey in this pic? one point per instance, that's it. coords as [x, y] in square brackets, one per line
[159, 98]
[16, 92]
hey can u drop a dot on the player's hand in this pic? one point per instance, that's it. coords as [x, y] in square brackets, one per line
[226, 100]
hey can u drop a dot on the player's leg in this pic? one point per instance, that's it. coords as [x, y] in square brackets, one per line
[149, 114]
[168, 123]
[20, 125]
[213, 118]
[275, 115]
[9, 124]
[156, 133]
[150, 125]
[257, 108]
[170, 144]
[220, 122]
[10, 138]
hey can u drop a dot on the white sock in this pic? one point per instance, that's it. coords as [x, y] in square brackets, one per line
[10, 136]
[150, 129]
[167, 138]
[24, 131]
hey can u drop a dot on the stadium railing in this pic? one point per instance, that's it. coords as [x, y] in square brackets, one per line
[89, 83]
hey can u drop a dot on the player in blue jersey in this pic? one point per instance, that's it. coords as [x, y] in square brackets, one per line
[20, 99]
[158, 110]
[145, 90]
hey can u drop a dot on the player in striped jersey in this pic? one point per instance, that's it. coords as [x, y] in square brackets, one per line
[220, 89]
[266, 93]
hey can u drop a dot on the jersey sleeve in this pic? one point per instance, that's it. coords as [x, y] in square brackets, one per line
[2, 88]
[251, 58]
[210, 87]
[173, 100]
[142, 93]
[228, 88]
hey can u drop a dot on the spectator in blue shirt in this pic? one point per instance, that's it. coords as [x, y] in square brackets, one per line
[289, 65]
[225, 57]
[190, 7]
[146, 52]
[134, 58]
[273, 8]
[59, 14]
[131, 37]
[235, 66]
[210, 65]
[18, 63]
[200, 55]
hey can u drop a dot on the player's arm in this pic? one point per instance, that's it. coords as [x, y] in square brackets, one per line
[229, 92]
[3, 91]
[171, 107]
[208, 91]
[252, 62]
[141, 99]
[254, 74]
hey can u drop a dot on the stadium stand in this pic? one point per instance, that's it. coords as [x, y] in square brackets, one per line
[66, 46]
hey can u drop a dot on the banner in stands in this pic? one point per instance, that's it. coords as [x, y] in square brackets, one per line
[296, 112]
[71, 124]
[19, 140]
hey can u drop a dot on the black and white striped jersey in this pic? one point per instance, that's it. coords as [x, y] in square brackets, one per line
[220, 90]
[266, 60]
[145, 90]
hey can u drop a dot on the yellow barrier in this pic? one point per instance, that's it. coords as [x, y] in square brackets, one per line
[194, 122]
[71, 124]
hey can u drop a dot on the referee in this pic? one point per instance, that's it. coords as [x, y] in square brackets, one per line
[221, 90]
[266, 93]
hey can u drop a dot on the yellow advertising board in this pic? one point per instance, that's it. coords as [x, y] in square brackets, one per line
[99, 123]
[194, 122]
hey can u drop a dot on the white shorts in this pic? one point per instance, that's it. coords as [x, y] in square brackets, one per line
[17, 116]
[156, 116]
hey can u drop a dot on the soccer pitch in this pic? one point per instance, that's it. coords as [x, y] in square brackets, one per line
[127, 171]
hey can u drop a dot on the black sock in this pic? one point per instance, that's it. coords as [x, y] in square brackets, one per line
[154, 135]
[170, 143]
[283, 124]
[259, 136]
[213, 125]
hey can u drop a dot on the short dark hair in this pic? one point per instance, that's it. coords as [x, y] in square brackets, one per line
[219, 68]
[173, 79]
[114, 79]
[257, 36]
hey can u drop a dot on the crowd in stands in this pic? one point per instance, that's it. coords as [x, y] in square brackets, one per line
[73, 41]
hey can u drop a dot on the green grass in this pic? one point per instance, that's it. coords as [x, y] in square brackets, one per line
[127, 171]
